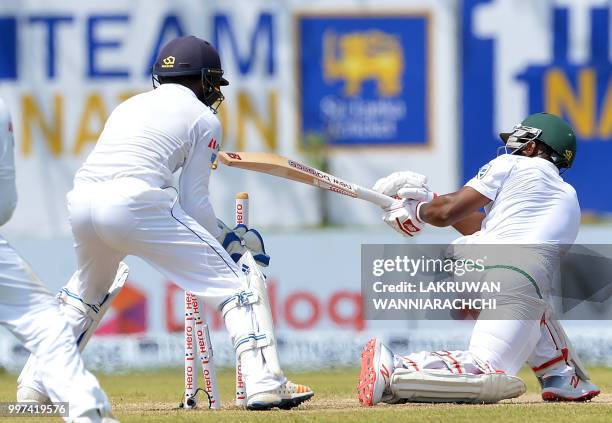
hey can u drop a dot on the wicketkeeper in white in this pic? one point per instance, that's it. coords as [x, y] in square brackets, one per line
[32, 314]
[124, 203]
[525, 202]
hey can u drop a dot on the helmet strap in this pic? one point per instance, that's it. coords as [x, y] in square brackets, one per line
[155, 80]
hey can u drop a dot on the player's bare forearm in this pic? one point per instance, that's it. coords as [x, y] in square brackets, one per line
[470, 224]
[451, 209]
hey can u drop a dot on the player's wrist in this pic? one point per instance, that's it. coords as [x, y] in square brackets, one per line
[418, 211]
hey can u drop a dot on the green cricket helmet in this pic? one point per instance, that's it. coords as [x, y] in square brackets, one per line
[548, 129]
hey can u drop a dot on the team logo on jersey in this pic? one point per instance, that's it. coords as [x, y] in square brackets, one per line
[168, 62]
[483, 171]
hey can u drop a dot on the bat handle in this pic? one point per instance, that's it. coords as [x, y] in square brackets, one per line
[373, 196]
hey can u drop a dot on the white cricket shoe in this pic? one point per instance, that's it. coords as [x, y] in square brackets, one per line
[568, 388]
[287, 396]
[376, 371]
[27, 394]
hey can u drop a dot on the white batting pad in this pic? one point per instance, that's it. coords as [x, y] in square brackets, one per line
[441, 386]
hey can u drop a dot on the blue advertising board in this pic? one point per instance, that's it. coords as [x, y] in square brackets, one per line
[364, 79]
[579, 90]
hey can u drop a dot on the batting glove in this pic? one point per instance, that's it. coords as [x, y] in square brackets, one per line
[402, 217]
[390, 185]
[239, 240]
[421, 194]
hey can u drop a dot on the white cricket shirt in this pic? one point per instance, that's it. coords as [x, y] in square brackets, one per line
[8, 190]
[530, 202]
[152, 135]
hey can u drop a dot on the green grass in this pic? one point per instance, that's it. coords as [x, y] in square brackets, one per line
[154, 397]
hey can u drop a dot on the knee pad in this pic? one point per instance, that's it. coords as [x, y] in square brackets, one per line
[249, 335]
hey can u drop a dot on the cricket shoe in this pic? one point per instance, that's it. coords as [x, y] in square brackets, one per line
[375, 375]
[286, 396]
[27, 394]
[568, 388]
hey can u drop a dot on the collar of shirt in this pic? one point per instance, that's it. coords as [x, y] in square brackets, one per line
[547, 163]
[179, 87]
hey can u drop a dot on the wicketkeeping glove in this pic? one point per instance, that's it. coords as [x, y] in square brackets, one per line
[402, 216]
[240, 239]
[254, 242]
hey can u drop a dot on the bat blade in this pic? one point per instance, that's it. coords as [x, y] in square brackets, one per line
[274, 164]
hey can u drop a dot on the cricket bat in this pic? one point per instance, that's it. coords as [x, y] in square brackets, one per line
[274, 164]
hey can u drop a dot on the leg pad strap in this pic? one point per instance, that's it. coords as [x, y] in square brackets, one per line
[240, 299]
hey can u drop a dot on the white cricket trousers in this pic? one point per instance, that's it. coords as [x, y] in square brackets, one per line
[127, 216]
[32, 314]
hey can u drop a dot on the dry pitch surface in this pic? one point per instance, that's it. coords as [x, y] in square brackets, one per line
[153, 397]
